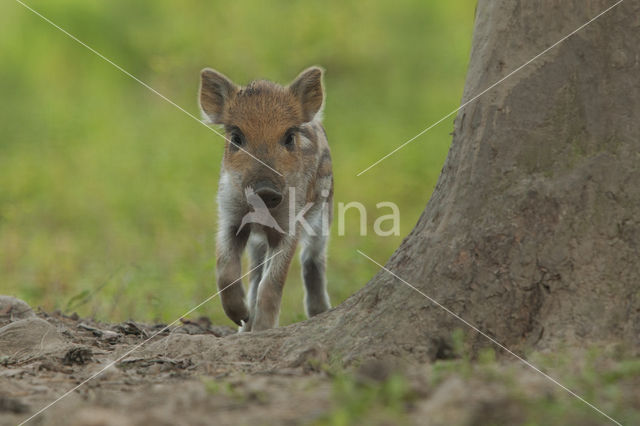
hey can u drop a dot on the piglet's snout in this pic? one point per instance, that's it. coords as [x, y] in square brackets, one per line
[269, 194]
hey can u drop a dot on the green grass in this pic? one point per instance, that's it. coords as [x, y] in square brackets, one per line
[368, 403]
[608, 378]
[107, 191]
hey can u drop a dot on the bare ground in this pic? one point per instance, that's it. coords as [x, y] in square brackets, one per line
[176, 378]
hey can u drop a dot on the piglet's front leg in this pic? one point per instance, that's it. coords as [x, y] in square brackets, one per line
[229, 268]
[272, 283]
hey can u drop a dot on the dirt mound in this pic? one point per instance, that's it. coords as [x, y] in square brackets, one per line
[12, 309]
[29, 337]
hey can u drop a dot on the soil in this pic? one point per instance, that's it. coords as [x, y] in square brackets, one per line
[170, 379]
[43, 355]
[180, 375]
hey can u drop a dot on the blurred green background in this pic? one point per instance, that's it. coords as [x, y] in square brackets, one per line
[107, 192]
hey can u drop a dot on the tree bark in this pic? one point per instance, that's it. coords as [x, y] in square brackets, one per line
[533, 230]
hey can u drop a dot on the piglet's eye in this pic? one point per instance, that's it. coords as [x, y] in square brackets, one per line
[290, 142]
[236, 142]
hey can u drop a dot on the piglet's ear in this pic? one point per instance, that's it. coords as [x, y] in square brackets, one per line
[307, 87]
[215, 90]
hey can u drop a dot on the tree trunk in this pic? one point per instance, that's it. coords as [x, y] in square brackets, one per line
[533, 231]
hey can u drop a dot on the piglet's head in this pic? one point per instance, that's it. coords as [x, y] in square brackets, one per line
[264, 121]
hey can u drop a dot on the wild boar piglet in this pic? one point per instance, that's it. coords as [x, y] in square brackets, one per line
[275, 190]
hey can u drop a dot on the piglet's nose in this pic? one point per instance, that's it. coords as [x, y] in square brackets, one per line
[270, 197]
